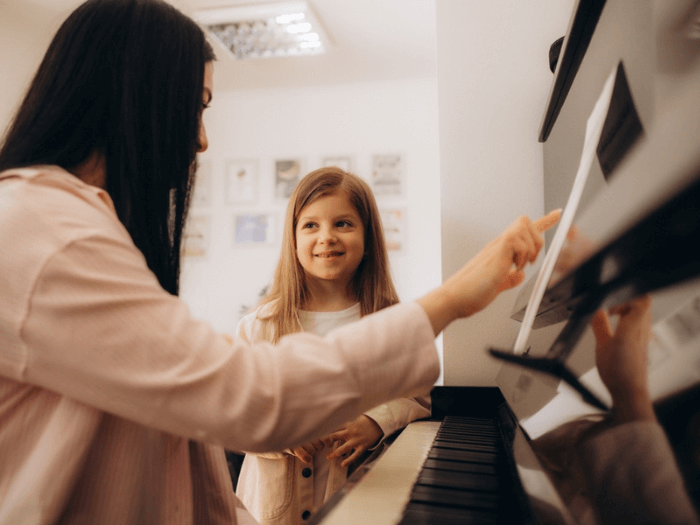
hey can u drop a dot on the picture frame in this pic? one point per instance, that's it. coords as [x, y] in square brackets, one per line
[254, 229]
[201, 195]
[344, 162]
[288, 173]
[387, 177]
[241, 181]
[394, 226]
[196, 236]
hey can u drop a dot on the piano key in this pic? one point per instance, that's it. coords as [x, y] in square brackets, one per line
[385, 489]
[455, 498]
[464, 455]
[458, 480]
[456, 445]
[460, 466]
[419, 514]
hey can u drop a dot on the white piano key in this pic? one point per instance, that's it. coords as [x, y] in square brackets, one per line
[386, 488]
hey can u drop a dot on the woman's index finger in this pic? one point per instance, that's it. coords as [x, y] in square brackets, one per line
[545, 223]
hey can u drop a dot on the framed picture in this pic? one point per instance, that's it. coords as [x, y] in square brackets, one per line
[288, 173]
[196, 236]
[241, 181]
[394, 225]
[388, 175]
[342, 162]
[201, 196]
[254, 229]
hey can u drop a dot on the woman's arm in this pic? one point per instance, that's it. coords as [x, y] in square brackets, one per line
[90, 321]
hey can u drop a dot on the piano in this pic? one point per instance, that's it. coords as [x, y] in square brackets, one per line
[475, 460]
[463, 466]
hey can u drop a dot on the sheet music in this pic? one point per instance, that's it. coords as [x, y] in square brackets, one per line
[594, 128]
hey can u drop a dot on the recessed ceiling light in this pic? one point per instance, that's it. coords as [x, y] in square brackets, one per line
[279, 29]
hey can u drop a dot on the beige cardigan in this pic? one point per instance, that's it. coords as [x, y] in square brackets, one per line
[278, 488]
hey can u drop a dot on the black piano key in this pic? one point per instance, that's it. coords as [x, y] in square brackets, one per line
[458, 480]
[475, 435]
[421, 514]
[476, 447]
[489, 458]
[455, 498]
[460, 466]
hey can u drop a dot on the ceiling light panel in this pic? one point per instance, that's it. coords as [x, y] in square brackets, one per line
[280, 29]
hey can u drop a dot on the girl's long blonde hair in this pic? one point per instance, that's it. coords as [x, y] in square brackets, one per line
[371, 284]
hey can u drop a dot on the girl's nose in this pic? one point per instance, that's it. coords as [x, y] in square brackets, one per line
[327, 236]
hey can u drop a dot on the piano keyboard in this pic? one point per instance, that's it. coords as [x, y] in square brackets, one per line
[465, 479]
[436, 472]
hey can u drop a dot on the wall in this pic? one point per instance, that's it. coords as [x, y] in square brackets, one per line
[21, 50]
[354, 119]
[493, 82]
[360, 120]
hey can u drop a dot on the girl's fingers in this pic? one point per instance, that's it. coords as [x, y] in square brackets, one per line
[343, 449]
[302, 454]
[350, 458]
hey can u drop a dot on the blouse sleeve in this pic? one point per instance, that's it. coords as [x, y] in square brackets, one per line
[91, 322]
[247, 329]
[398, 413]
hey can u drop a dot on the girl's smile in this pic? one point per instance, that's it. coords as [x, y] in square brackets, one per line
[330, 240]
[328, 255]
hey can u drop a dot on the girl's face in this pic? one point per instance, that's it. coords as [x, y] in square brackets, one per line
[330, 239]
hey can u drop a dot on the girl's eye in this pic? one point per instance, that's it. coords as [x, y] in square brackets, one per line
[308, 225]
[344, 224]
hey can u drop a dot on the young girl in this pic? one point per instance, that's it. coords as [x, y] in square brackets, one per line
[333, 269]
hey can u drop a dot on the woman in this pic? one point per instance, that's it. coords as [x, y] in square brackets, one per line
[116, 403]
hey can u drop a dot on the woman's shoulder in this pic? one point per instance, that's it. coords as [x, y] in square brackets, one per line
[43, 179]
[47, 193]
[50, 202]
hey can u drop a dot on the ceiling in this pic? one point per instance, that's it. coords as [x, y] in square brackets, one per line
[371, 40]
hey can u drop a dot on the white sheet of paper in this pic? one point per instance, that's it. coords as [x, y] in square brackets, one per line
[594, 128]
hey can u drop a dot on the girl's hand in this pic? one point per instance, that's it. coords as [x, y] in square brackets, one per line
[355, 438]
[622, 358]
[306, 452]
[499, 266]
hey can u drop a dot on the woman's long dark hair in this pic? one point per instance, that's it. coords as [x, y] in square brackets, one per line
[123, 78]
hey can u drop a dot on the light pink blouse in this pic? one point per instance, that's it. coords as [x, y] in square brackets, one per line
[109, 389]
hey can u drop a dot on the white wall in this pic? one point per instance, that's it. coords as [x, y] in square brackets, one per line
[354, 119]
[22, 46]
[493, 82]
